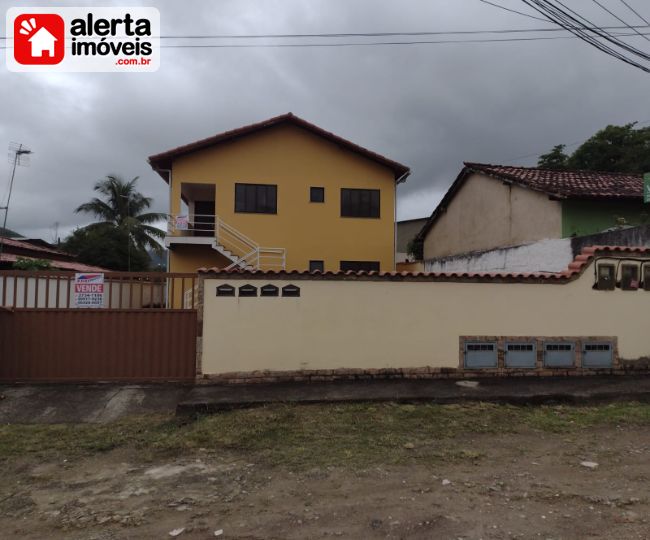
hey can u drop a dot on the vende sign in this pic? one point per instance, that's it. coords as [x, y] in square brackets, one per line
[89, 290]
[125, 39]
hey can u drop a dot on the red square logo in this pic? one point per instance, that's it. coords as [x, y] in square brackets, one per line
[39, 39]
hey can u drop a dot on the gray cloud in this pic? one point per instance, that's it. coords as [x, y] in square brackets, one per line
[428, 106]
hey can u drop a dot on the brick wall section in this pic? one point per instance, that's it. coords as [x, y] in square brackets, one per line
[620, 366]
[625, 367]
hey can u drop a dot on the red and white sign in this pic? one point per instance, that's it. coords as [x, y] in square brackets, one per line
[72, 39]
[39, 39]
[89, 290]
[182, 223]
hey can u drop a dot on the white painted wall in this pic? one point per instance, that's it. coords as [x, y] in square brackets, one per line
[550, 255]
[404, 324]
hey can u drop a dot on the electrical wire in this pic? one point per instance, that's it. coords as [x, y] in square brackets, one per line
[628, 6]
[504, 8]
[585, 24]
[576, 26]
[376, 34]
[361, 44]
[617, 17]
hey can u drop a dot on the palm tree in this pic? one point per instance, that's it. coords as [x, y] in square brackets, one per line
[123, 209]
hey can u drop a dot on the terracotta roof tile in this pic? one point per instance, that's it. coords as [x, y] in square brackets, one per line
[28, 246]
[558, 184]
[575, 268]
[57, 265]
[568, 184]
[164, 159]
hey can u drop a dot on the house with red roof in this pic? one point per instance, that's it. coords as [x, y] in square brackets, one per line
[496, 206]
[280, 194]
[14, 249]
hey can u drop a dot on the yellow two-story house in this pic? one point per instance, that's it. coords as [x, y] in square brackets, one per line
[280, 194]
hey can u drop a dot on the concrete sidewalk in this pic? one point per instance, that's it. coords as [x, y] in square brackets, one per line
[100, 403]
[515, 390]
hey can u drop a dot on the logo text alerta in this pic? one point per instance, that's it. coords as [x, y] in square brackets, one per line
[130, 28]
[84, 39]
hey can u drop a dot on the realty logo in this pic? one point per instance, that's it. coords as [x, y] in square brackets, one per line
[82, 39]
[39, 39]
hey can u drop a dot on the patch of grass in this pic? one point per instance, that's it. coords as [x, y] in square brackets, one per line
[317, 435]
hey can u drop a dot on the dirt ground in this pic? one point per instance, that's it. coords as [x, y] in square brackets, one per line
[528, 484]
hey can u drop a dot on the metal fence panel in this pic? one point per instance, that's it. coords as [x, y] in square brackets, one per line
[57, 345]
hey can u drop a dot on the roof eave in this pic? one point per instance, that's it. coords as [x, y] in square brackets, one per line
[163, 160]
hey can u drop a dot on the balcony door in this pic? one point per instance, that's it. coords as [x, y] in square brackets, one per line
[204, 218]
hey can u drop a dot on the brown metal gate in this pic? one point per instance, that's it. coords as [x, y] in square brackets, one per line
[57, 344]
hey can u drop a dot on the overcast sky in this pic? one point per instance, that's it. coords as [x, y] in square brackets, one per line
[430, 107]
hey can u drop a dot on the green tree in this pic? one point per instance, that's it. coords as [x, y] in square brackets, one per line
[24, 263]
[555, 159]
[124, 232]
[107, 247]
[613, 149]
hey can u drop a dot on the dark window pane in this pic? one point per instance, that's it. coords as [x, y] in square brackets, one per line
[240, 196]
[262, 205]
[316, 266]
[273, 199]
[316, 194]
[250, 199]
[358, 266]
[257, 198]
[360, 203]
[374, 203]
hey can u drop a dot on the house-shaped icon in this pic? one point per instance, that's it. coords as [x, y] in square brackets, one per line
[41, 41]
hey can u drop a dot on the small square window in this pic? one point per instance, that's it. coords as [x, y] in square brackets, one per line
[316, 266]
[646, 276]
[316, 194]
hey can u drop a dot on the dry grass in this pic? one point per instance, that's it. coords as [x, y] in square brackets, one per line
[299, 436]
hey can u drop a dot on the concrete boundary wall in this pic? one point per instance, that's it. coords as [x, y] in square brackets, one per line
[366, 325]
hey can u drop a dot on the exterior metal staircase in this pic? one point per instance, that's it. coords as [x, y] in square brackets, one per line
[242, 251]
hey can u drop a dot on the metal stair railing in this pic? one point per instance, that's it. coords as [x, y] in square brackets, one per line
[242, 250]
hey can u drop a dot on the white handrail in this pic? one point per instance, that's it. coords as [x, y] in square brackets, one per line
[245, 251]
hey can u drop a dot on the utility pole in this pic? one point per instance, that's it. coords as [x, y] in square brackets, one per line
[17, 153]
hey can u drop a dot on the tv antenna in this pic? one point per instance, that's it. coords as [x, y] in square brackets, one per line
[18, 156]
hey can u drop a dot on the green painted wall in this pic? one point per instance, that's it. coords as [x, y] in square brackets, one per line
[588, 217]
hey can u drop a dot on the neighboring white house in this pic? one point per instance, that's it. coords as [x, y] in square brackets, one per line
[41, 41]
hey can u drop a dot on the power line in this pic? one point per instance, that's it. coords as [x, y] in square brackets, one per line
[576, 26]
[362, 44]
[634, 11]
[600, 31]
[504, 8]
[617, 17]
[375, 34]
